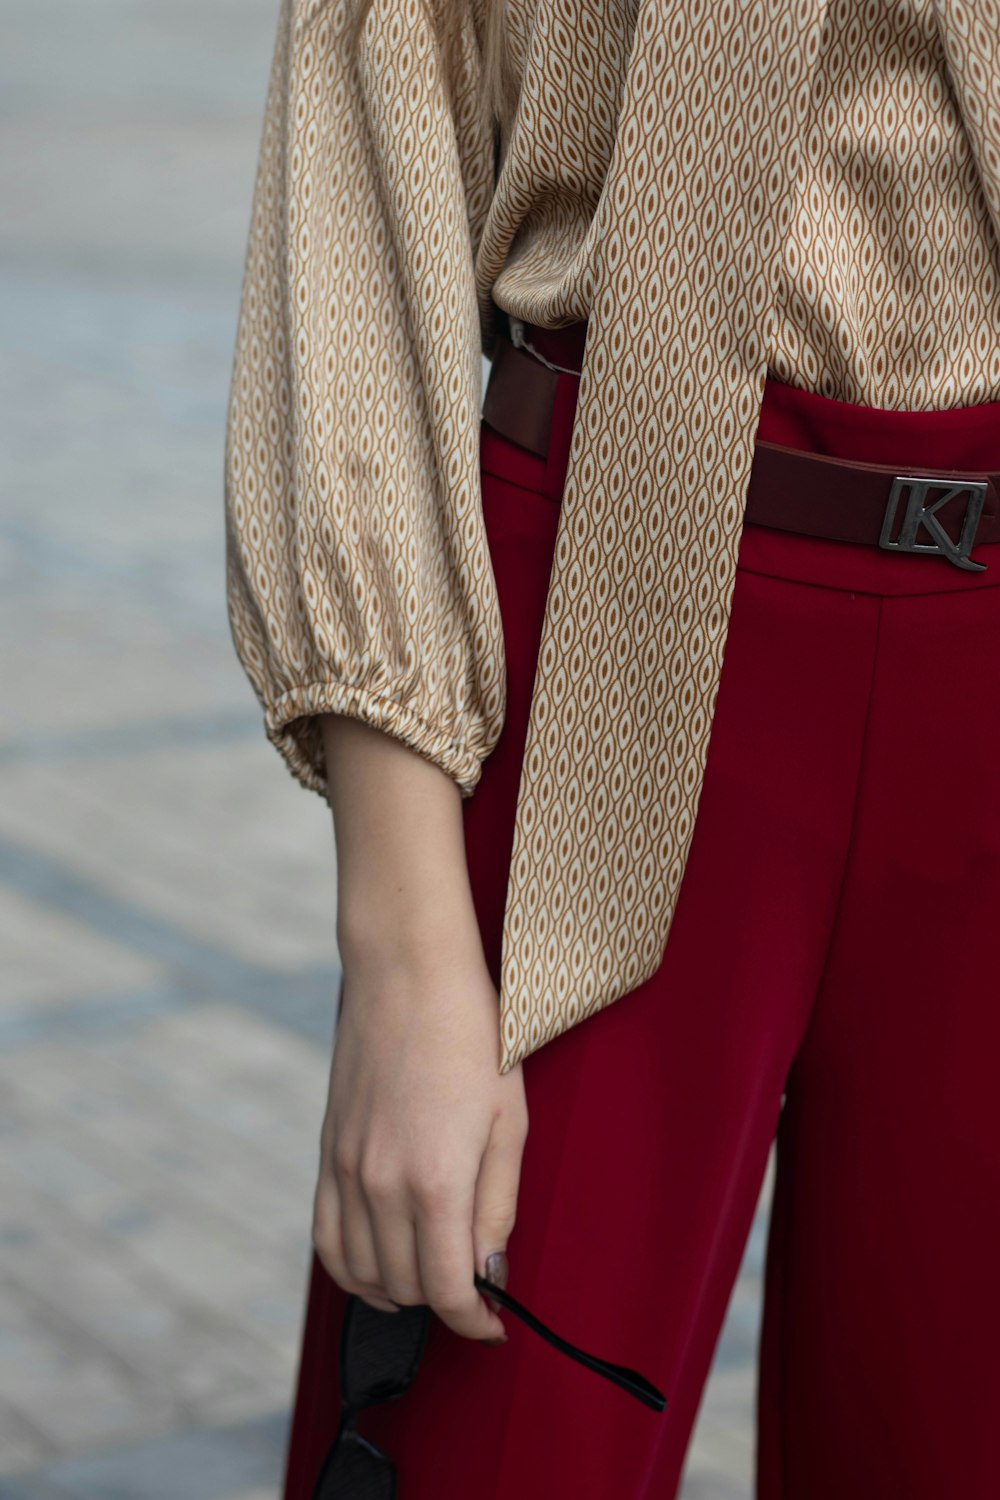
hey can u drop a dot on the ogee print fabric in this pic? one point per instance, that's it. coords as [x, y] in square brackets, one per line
[809, 188]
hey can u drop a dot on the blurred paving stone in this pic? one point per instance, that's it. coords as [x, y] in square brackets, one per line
[87, 838]
[302, 999]
[253, 1495]
[202, 1242]
[24, 1445]
[127, 1118]
[720, 1459]
[63, 1384]
[93, 1284]
[713, 1486]
[200, 1464]
[102, 1015]
[45, 955]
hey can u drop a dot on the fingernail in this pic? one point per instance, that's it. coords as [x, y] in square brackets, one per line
[497, 1268]
[494, 1342]
[496, 1271]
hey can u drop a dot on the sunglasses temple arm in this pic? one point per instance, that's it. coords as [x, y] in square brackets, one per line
[630, 1380]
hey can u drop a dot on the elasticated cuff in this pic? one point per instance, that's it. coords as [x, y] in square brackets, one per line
[292, 727]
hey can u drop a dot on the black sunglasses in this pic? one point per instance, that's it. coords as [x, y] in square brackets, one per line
[380, 1353]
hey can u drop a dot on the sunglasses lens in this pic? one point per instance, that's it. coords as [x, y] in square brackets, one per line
[381, 1350]
[356, 1471]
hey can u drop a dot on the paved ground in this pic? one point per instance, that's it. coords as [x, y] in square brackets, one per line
[166, 889]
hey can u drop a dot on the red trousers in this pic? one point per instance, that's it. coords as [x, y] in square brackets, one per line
[830, 977]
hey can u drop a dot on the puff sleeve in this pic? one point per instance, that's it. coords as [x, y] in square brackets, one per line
[358, 576]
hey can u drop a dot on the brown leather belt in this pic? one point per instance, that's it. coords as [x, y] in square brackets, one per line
[940, 511]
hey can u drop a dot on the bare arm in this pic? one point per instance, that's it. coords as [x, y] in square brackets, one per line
[331, 518]
[422, 1138]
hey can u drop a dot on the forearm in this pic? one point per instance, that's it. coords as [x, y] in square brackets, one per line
[402, 878]
[422, 1138]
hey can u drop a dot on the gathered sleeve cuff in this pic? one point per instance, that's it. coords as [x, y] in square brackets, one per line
[358, 573]
[293, 728]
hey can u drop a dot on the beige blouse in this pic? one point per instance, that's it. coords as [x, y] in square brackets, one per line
[724, 188]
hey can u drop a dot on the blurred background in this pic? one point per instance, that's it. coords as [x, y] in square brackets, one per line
[167, 896]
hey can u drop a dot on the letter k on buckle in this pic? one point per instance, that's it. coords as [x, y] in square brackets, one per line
[922, 511]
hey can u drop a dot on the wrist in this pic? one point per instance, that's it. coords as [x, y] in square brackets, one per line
[406, 920]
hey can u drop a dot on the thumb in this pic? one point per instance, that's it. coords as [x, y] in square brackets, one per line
[495, 1207]
[497, 1269]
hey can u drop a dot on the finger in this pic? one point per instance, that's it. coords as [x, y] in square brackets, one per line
[326, 1237]
[328, 1242]
[447, 1264]
[395, 1237]
[356, 1231]
[495, 1208]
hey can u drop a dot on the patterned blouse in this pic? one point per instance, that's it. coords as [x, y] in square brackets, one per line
[806, 188]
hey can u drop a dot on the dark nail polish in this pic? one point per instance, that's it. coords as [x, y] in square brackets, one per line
[497, 1269]
[494, 1342]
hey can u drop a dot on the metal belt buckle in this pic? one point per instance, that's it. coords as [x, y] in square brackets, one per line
[921, 510]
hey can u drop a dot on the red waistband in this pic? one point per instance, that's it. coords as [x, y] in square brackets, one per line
[963, 437]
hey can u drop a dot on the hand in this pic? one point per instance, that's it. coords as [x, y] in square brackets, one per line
[422, 1138]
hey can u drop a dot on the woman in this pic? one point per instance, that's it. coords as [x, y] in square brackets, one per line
[674, 684]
